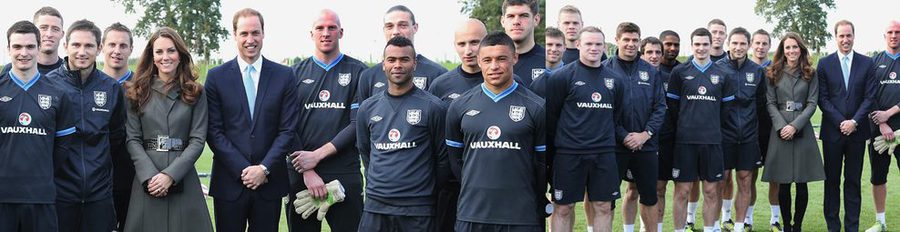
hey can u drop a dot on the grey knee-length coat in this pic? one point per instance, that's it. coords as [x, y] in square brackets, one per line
[167, 114]
[797, 160]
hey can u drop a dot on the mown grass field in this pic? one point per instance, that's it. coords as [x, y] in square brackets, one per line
[814, 220]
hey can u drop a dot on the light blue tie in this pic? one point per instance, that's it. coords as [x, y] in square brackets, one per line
[845, 67]
[249, 88]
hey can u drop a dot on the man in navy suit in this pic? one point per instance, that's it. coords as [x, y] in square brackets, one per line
[250, 133]
[846, 94]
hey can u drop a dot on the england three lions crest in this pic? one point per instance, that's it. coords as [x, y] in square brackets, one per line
[44, 101]
[100, 98]
[714, 79]
[610, 83]
[420, 82]
[413, 117]
[644, 76]
[343, 79]
[516, 113]
[536, 72]
[750, 78]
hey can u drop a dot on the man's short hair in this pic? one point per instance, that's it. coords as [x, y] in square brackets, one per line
[48, 10]
[669, 33]
[627, 27]
[497, 38]
[84, 25]
[552, 32]
[844, 22]
[701, 32]
[716, 21]
[652, 41]
[400, 41]
[247, 12]
[120, 28]
[740, 31]
[570, 9]
[24, 27]
[532, 4]
[763, 32]
[591, 29]
[412, 17]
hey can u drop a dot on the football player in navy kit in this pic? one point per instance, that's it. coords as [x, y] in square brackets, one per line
[400, 137]
[519, 19]
[496, 133]
[583, 101]
[398, 21]
[886, 107]
[326, 137]
[701, 88]
[448, 87]
[34, 118]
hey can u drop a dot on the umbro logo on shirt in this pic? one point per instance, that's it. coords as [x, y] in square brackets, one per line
[579, 83]
[882, 66]
[473, 112]
[379, 85]
[5, 99]
[308, 81]
[375, 118]
[453, 96]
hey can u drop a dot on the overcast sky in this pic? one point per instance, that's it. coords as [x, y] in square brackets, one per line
[870, 18]
[288, 22]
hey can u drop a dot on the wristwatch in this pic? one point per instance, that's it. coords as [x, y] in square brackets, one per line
[265, 169]
[650, 133]
[854, 122]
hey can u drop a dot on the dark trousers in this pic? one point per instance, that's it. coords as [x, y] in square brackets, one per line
[86, 217]
[846, 156]
[123, 177]
[342, 217]
[250, 208]
[376, 222]
[16, 217]
[445, 210]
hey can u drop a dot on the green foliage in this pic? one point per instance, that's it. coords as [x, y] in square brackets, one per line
[489, 12]
[805, 17]
[192, 19]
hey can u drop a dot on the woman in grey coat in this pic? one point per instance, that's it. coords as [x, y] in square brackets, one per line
[793, 155]
[166, 131]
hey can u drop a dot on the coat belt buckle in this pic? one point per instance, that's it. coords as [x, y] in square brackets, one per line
[790, 106]
[162, 143]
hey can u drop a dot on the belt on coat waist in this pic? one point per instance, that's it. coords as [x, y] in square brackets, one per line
[791, 106]
[164, 143]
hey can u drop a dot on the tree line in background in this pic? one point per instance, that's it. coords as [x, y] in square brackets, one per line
[202, 30]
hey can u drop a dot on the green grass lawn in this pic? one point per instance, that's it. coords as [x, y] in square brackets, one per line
[814, 220]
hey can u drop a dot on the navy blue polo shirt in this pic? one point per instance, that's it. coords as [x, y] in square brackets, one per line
[700, 93]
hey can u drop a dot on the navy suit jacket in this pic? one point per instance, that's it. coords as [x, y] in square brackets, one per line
[839, 103]
[237, 141]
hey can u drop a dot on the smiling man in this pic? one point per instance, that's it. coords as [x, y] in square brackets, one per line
[495, 132]
[117, 46]
[402, 148]
[84, 199]
[35, 117]
[637, 147]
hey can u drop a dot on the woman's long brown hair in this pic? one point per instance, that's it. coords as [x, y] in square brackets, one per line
[185, 78]
[779, 62]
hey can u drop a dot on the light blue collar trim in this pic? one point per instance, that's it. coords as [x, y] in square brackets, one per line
[503, 94]
[702, 69]
[125, 78]
[328, 67]
[892, 56]
[25, 86]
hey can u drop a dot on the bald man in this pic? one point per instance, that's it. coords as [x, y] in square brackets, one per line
[887, 105]
[326, 136]
[448, 87]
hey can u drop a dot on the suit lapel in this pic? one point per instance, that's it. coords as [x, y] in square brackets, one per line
[264, 77]
[238, 83]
